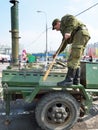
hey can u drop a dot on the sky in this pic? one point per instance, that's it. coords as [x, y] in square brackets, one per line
[32, 24]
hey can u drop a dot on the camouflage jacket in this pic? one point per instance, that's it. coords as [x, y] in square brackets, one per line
[69, 24]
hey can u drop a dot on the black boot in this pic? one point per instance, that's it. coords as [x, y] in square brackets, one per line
[69, 78]
[76, 79]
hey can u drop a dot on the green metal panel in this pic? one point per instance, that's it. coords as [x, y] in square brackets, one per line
[89, 74]
[28, 78]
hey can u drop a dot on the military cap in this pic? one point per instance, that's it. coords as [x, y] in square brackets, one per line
[54, 23]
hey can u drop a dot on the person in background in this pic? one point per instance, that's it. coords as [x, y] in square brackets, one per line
[74, 32]
[90, 58]
[2, 60]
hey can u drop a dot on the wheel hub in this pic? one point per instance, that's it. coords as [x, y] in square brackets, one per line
[59, 114]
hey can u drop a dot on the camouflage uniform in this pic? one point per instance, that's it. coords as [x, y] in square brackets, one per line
[79, 38]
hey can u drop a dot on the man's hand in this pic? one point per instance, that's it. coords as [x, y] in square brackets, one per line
[54, 55]
[67, 36]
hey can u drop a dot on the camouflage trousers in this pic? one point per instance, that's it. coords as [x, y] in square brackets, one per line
[79, 43]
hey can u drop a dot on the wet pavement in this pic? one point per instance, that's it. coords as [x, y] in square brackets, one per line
[22, 117]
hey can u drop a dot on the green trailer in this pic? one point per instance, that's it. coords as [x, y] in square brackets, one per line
[56, 107]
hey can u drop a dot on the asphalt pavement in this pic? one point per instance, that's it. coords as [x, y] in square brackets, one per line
[21, 116]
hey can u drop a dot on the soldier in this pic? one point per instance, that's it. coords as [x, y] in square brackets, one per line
[75, 33]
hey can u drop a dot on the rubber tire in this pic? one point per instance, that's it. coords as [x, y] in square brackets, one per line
[50, 99]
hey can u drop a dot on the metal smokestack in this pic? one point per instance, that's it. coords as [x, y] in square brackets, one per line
[14, 31]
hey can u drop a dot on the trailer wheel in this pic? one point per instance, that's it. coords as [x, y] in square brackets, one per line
[57, 111]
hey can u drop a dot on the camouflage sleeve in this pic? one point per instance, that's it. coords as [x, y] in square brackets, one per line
[68, 24]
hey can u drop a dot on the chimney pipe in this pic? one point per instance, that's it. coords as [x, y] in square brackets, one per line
[14, 31]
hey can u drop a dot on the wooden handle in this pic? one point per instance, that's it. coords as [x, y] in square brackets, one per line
[48, 71]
